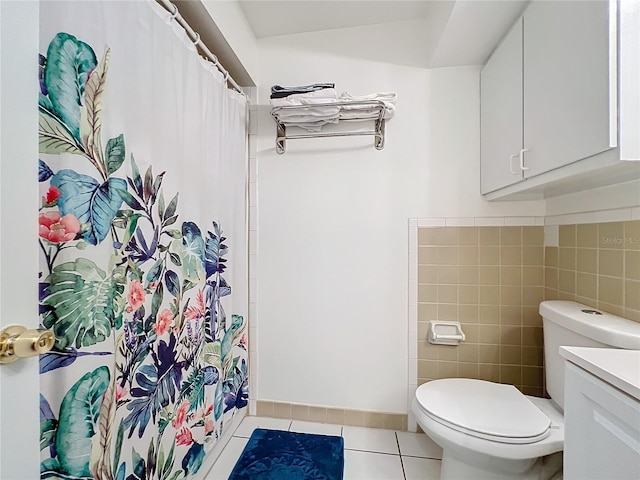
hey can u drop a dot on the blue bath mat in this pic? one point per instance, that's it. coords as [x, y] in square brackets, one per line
[280, 455]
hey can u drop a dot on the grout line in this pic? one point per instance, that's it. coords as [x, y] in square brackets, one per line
[426, 458]
[372, 451]
[404, 474]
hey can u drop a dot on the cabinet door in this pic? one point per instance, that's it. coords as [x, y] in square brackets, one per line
[602, 429]
[568, 112]
[501, 114]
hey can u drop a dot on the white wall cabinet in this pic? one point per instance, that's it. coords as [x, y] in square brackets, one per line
[501, 113]
[549, 98]
[602, 429]
[568, 112]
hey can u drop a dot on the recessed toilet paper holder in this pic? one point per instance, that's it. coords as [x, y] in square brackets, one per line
[445, 333]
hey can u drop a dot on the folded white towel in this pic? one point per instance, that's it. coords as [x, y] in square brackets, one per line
[283, 102]
[326, 95]
[320, 109]
[311, 126]
[361, 115]
[313, 112]
[311, 116]
[389, 99]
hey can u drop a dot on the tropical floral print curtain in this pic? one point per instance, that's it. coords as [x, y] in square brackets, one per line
[142, 237]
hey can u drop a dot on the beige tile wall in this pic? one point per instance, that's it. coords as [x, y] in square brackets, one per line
[491, 279]
[597, 264]
[339, 416]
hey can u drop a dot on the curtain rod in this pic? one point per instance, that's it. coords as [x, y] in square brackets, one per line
[195, 38]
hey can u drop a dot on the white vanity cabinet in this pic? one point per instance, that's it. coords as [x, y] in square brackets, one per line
[550, 97]
[602, 414]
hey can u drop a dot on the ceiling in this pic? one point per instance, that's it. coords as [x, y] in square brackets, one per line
[269, 18]
[422, 33]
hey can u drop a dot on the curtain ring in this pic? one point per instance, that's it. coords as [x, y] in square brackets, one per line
[226, 76]
[175, 12]
[196, 42]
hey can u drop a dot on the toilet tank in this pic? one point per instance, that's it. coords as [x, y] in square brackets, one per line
[572, 324]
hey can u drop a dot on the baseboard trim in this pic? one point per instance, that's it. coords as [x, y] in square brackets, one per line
[339, 416]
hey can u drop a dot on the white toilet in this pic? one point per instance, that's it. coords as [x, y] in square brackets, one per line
[492, 431]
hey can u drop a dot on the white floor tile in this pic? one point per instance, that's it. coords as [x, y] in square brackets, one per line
[249, 424]
[227, 459]
[371, 466]
[421, 468]
[418, 445]
[313, 427]
[370, 440]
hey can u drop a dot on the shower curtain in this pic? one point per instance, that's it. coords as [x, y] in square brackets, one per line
[142, 237]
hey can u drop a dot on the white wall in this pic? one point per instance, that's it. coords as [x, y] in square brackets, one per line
[332, 256]
[332, 273]
[332, 226]
[229, 18]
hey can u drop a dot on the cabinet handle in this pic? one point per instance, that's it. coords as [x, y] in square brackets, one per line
[522, 167]
[511, 158]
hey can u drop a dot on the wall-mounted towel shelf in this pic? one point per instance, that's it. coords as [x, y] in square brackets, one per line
[348, 111]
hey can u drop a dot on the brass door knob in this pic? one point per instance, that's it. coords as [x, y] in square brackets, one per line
[18, 342]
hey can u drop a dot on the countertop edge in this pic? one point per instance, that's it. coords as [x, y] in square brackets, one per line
[604, 363]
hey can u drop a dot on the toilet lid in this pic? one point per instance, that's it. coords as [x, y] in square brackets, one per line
[483, 409]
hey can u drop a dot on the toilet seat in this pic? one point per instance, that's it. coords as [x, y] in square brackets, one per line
[486, 410]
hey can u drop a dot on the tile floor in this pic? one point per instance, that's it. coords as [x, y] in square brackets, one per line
[369, 453]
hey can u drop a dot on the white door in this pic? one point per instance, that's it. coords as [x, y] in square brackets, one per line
[569, 114]
[19, 382]
[501, 114]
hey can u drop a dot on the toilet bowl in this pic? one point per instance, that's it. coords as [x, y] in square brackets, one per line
[491, 431]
